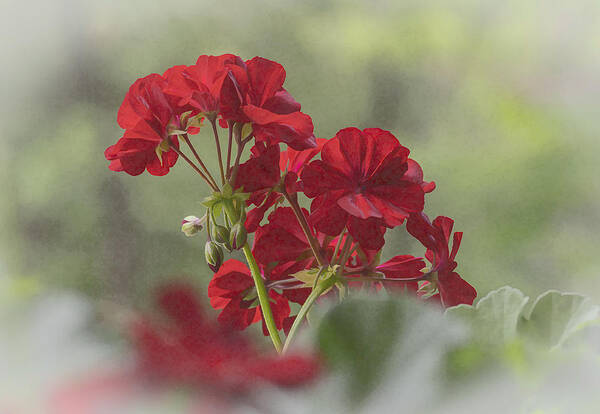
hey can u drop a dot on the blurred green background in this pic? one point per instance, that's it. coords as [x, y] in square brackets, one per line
[496, 100]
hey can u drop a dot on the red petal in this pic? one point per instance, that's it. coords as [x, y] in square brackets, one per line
[403, 266]
[359, 205]
[326, 216]
[282, 103]
[368, 233]
[266, 78]
[318, 178]
[454, 290]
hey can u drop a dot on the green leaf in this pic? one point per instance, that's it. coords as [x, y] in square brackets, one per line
[495, 318]
[555, 317]
[356, 338]
[374, 343]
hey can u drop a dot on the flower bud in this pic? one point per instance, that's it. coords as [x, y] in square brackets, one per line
[220, 234]
[214, 255]
[191, 225]
[238, 236]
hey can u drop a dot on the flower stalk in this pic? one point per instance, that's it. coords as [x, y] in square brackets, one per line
[261, 290]
[314, 244]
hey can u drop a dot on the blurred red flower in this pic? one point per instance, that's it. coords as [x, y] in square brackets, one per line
[193, 349]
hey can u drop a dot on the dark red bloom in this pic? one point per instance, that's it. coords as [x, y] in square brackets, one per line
[194, 350]
[261, 172]
[199, 85]
[253, 92]
[261, 176]
[453, 290]
[147, 114]
[281, 240]
[232, 290]
[361, 183]
[281, 247]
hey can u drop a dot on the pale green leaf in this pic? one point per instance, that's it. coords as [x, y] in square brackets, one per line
[495, 317]
[555, 316]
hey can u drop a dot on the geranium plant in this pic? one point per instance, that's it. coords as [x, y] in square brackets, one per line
[360, 183]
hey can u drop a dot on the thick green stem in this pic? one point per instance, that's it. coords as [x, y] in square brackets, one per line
[316, 292]
[261, 290]
[263, 297]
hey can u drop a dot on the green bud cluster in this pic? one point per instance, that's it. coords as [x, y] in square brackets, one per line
[230, 233]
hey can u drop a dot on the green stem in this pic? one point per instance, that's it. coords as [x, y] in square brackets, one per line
[261, 290]
[229, 145]
[206, 170]
[240, 148]
[218, 143]
[263, 297]
[317, 291]
[195, 167]
[312, 241]
[344, 252]
[337, 247]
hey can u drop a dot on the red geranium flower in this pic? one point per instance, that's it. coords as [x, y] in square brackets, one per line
[281, 246]
[453, 290]
[253, 92]
[147, 114]
[361, 183]
[261, 176]
[232, 290]
[282, 240]
[199, 85]
[195, 350]
[261, 172]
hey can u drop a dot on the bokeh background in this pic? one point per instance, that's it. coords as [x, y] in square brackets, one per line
[496, 100]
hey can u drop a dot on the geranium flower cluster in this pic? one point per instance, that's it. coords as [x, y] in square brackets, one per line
[355, 185]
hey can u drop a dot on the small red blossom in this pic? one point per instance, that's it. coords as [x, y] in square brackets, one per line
[282, 240]
[146, 114]
[196, 351]
[260, 176]
[253, 92]
[232, 291]
[261, 172]
[281, 246]
[361, 183]
[435, 236]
